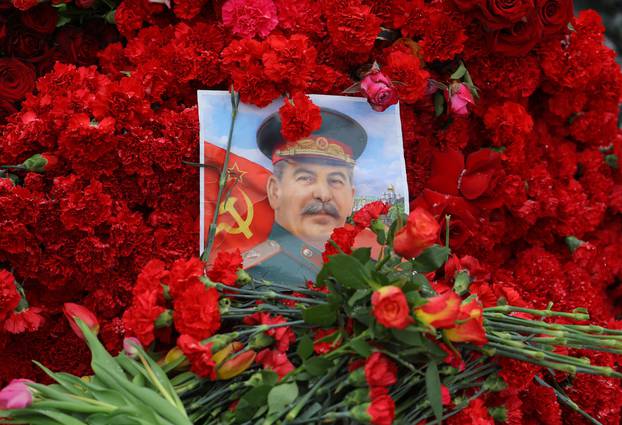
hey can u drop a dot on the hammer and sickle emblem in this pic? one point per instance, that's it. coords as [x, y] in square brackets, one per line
[243, 224]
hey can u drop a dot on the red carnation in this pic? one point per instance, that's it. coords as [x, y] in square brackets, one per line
[390, 307]
[16, 79]
[343, 237]
[325, 340]
[352, 28]
[196, 312]
[380, 371]
[382, 410]
[9, 297]
[200, 356]
[184, 274]
[405, 69]
[27, 320]
[283, 336]
[369, 212]
[225, 267]
[139, 319]
[248, 18]
[276, 361]
[299, 117]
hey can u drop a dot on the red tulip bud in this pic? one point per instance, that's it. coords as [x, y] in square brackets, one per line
[72, 311]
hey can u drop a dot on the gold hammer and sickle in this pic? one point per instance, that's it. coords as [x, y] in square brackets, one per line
[243, 225]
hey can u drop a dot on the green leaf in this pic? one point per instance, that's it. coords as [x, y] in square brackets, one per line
[258, 395]
[459, 73]
[358, 295]
[431, 259]
[320, 315]
[320, 279]
[317, 366]
[282, 396]
[433, 389]
[462, 282]
[439, 104]
[409, 336]
[361, 347]
[349, 271]
[362, 254]
[305, 347]
[62, 20]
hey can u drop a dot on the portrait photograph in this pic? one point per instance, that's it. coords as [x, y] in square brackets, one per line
[283, 198]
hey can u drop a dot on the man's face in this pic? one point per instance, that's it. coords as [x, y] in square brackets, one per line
[311, 199]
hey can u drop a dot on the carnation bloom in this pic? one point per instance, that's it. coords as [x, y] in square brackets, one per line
[16, 395]
[440, 311]
[200, 356]
[27, 320]
[380, 371]
[248, 18]
[420, 232]
[73, 311]
[390, 307]
[379, 90]
[299, 117]
[369, 212]
[276, 361]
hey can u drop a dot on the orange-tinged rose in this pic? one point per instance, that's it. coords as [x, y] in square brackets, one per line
[420, 232]
[390, 307]
[469, 324]
[441, 311]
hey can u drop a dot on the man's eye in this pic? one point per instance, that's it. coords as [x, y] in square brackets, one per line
[336, 182]
[304, 179]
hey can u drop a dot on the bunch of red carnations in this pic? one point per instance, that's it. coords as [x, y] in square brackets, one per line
[520, 148]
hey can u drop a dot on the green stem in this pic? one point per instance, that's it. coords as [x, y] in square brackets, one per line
[568, 402]
[542, 313]
[235, 99]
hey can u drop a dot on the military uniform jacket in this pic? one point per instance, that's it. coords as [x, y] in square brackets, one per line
[283, 259]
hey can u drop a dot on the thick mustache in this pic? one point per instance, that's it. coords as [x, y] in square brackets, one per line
[320, 207]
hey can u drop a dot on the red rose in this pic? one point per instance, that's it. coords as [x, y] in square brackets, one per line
[16, 79]
[554, 14]
[24, 4]
[196, 312]
[497, 14]
[9, 297]
[369, 212]
[382, 410]
[29, 46]
[420, 232]
[184, 274]
[41, 18]
[77, 46]
[200, 356]
[520, 38]
[299, 117]
[380, 371]
[390, 307]
[378, 90]
[225, 267]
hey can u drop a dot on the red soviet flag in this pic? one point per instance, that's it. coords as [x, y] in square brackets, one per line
[245, 217]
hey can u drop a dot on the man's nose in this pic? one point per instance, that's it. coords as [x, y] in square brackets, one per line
[322, 191]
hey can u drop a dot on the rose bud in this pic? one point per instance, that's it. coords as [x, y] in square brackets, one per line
[379, 90]
[72, 311]
[420, 232]
[470, 324]
[16, 395]
[380, 371]
[236, 365]
[440, 311]
[460, 97]
[129, 346]
[390, 307]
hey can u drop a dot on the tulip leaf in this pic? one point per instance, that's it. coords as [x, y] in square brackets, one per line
[431, 259]
[439, 103]
[459, 73]
[433, 389]
[349, 271]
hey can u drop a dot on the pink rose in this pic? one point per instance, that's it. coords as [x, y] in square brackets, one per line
[460, 97]
[378, 90]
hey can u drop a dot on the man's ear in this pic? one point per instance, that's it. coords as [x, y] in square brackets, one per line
[273, 189]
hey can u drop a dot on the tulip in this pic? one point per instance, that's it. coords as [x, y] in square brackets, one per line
[73, 311]
[420, 232]
[236, 365]
[129, 346]
[470, 324]
[440, 311]
[16, 395]
[378, 90]
[229, 349]
[460, 97]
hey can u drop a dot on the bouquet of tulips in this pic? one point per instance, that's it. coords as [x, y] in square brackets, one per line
[372, 340]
